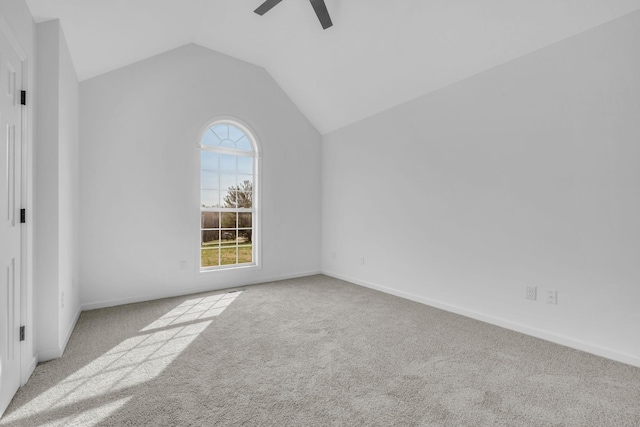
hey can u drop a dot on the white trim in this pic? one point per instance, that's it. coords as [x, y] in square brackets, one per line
[226, 150]
[71, 328]
[31, 366]
[247, 266]
[190, 291]
[250, 210]
[28, 361]
[49, 354]
[598, 350]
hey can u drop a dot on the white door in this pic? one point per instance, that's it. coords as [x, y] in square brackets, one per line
[10, 199]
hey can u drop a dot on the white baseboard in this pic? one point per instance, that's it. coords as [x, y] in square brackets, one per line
[71, 328]
[32, 367]
[608, 353]
[49, 354]
[188, 291]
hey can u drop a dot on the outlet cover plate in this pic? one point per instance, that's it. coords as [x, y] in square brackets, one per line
[531, 292]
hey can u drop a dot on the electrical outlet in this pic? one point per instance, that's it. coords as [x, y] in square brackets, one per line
[182, 265]
[362, 261]
[552, 296]
[531, 292]
[62, 300]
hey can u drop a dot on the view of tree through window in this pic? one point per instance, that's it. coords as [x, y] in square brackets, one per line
[227, 188]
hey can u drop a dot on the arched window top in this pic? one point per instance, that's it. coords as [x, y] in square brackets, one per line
[227, 135]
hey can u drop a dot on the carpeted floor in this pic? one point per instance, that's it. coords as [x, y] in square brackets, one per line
[316, 351]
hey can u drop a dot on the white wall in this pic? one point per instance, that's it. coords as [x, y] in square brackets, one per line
[56, 161]
[46, 212]
[140, 128]
[69, 192]
[524, 175]
[17, 16]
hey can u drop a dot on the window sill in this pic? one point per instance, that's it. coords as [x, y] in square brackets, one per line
[206, 270]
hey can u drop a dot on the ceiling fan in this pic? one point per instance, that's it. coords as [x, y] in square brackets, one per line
[318, 6]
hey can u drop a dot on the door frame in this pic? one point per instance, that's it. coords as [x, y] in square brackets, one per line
[28, 357]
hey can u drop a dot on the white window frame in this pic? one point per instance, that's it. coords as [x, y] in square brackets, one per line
[256, 196]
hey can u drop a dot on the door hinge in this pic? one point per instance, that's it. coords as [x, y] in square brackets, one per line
[23, 216]
[21, 333]
[23, 97]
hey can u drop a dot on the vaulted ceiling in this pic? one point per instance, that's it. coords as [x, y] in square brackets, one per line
[378, 54]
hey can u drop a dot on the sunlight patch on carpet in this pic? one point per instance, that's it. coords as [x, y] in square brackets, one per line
[134, 361]
[195, 309]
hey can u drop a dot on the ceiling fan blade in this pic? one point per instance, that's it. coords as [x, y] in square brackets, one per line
[266, 6]
[322, 12]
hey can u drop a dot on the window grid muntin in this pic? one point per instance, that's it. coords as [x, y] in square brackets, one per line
[222, 132]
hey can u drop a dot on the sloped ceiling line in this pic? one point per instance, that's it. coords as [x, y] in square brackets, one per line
[377, 55]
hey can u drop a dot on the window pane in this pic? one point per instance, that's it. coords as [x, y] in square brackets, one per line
[209, 257]
[229, 220]
[209, 180]
[210, 238]
[228, 163]
[229, 237]
[209, 161]
[244, 199]
[227, 143]
[221, 131]
[245, 254]
[210, 198]
[245, 182]
[227, 180]
[245, 165]
[210, 138]
[244, 144]
[228, 199]
[228, 255]
[244, 220]
[244, 237]
[210, 220]
[235, 134]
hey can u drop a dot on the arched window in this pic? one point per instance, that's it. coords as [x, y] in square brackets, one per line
[228, 189]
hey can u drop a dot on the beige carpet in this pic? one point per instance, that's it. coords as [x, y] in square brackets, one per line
[314, 352]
